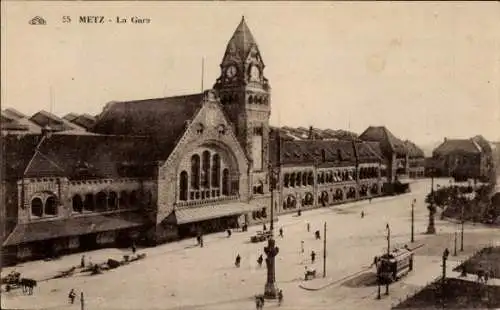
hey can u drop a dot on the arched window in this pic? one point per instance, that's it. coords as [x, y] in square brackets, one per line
[292, 179]
[304, 178]
[133, 199]
[216, 170]
[339, 194]
[250, 100]
[77, 203]
[123, 201]
[183, 186]
[89, 203]
[195, 171]
[286, 181]
[309, 200]
[206, 169]
[310, 179]
[37, 207]
[291, 202]
[225, 182]
[112, 201]
[298, 178]
[51, 206]
[101, 201]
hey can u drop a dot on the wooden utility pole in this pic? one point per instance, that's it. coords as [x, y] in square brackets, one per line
[82, 301]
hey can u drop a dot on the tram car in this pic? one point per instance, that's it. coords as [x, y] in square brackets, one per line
[393, 266]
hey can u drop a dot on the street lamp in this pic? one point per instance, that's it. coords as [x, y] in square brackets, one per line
[446, 253]
[270, 290]
[462, 220]
[413, 220]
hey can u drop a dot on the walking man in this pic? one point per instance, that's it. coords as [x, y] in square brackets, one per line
[308, 227]
[302, 246]
[260, 260]
[237, 261]
[281, 232]
[313, 256]
[82, 262]
[71, 296]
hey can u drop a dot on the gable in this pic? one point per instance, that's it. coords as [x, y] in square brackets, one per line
[209, 125]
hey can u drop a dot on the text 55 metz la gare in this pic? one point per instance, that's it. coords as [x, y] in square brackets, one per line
[104, 20]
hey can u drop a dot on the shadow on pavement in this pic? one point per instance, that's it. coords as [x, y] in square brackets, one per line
[362, 280]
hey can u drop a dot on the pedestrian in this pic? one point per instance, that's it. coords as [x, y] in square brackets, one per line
[229, 233]
[201, 241]
[264, 227]
[280, 297]
[302, 246]
[317, 234]
[237, 262]
[71, 296]
[313, 256]
[258, 306]
[362, 214]
[82, 262]
[260, 260]
[134, 249]
[308, 227]
[281, 232]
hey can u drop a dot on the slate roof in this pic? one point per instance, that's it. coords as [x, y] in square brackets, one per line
[450, 146]
[163, 119]
[302, 133]
[483, 143]
[46, 119]
[242, 40]
[13, 120]
[85, 121]
[80, 156]
[311, 151]
[368, 152]
[389, 143]
[413, 150]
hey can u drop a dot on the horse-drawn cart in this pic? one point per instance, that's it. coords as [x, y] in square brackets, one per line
[260, 236]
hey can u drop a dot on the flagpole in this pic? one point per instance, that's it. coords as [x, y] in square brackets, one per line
[202, 71]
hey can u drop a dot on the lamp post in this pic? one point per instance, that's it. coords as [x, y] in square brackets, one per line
[431, 229]
[324, 251]
[446, 253]
[270, 290]
[413, 220]
[388, 228]
[455, 243]
[462, 220]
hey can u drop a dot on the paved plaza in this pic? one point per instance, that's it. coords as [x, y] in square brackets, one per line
[181, 275]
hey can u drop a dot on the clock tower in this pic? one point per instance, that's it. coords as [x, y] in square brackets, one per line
[245, 94]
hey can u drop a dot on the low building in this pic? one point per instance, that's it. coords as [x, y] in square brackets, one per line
[463, 159]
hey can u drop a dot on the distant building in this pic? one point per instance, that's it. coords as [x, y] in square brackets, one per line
[463, 159]
[416, 160]
[396, 153]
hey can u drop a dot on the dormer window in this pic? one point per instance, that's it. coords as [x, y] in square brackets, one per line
[199, 128]
[221, 129]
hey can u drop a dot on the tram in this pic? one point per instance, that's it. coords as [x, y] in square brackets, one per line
[393, 266]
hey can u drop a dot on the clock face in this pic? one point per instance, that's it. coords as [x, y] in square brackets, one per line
[255, 73]
[231, 71]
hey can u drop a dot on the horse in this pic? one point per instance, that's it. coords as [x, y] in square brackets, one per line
[28, 285]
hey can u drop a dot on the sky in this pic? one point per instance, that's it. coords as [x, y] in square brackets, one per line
[424, 70]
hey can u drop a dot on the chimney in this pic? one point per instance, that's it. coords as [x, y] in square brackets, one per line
[311, 133]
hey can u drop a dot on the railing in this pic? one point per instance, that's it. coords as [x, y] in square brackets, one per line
[207, 201]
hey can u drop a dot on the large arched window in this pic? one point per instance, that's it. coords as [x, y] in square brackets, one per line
[51, 206]
[225, 182]
[304, 178]
[310, 179]
[89, 203]
[101, 201]
[112, 200]
[206, 169]
[286, 181]
[37, 207]
[309, 200]
[195, 171]
[216, 170]
[77, 203]
[298, 178]
[183, 193]
[292, 179]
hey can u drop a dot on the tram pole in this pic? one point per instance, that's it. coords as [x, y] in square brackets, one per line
[324, 251]
[413, 221]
